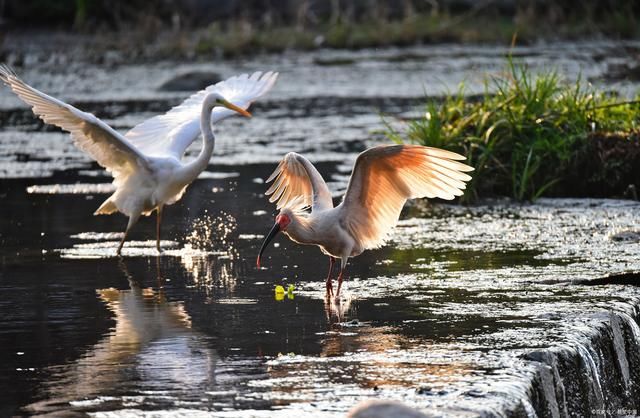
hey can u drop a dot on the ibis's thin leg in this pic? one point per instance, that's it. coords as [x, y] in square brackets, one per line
[132, 220]
[329, 282]
[158, 222]
[340, 276]
[343, 265]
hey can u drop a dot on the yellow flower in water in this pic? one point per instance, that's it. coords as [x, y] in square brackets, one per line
[279, 293]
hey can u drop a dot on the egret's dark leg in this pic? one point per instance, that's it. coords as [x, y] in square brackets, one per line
[132, 220]
[158, 222]
[329, 282]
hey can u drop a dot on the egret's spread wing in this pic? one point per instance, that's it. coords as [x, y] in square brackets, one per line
[110, 149]
[170, 134]
[298, 184]
[384, 177]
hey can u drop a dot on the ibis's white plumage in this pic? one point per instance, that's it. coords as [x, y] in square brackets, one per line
[146, 162]
[170, 134]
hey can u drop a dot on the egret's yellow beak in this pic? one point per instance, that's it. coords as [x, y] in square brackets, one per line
[235, 108]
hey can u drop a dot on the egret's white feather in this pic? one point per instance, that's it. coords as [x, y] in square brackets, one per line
[109, 148]
[170, 134]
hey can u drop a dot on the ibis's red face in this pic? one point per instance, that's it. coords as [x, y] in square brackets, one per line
[282, 222]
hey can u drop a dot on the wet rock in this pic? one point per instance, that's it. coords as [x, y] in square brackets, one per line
[112, 58]
[597, 373]
[625, 71]
[384, 409]
[548, 396]
[476, 393]
[192, 81]
[626, 236]
[331, 62]
[626, 278]
[353, 323]
[424, 390]
[428, 390]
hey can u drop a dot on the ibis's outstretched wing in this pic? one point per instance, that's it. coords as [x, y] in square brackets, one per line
[109, 148]
[170, 134]
[384, 177]
[298, 184]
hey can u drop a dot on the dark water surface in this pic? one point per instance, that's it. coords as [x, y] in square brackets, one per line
[440, 318]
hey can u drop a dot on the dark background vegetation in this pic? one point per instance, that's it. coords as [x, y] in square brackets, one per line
[77, 14]
[423, 20]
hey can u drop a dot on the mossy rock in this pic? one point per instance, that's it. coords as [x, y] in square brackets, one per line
[192, 81]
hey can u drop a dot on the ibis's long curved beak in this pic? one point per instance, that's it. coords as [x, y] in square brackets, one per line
[274, 231]
[235, 108]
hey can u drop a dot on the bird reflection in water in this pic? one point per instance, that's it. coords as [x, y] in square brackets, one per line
[336, 308]
[151, 347]
[360, 358]
[375, 356]
[143, 314]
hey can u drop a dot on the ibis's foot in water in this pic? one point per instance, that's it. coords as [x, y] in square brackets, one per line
[339, 282]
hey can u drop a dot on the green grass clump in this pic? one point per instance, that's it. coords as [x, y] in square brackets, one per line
[527, 132]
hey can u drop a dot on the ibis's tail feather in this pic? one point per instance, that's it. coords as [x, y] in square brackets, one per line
[107, 208]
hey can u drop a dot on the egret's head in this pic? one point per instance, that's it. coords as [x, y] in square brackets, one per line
[283, 219]
[221, 101]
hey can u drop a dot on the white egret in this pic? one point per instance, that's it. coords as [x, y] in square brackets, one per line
[383, 178]
[146, 163]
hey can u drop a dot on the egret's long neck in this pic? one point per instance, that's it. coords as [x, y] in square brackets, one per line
[197, 166]
[301, 230]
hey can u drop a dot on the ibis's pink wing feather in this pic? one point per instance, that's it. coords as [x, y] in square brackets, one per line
[297, 184]
[384, 177]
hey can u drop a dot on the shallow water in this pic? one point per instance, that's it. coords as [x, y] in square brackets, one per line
[440, 318]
